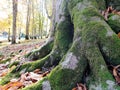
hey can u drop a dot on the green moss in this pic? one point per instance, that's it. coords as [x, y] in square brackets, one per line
[114, 3]
[64, 35]
[14, 63]
[8, 77]
[36, 86]
[4, 61]
[99, 71]
[93, 29]
[91, 12]
[73, 3]
[65, 79]
[27, 67]
[101, 4]
[114, 22]
[43, 51]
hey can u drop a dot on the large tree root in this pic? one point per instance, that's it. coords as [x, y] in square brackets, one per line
[42, 51]
[91, 34]
[94, 46]
[62, 42]
[69, 71]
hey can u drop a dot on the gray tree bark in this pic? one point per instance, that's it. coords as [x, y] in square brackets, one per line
[28, 20]
[15, 2]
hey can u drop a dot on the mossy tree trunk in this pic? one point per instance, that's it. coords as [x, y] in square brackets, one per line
[80, 42]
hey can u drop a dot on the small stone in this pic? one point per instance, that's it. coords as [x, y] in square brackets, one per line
[70, 61]
[46, 85]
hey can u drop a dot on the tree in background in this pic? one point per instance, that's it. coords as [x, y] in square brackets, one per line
[15, 4]
[28, 19]
[9, 28]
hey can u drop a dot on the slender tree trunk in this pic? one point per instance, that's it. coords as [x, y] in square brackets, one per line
[39, 26]
[9, 35]
[28, 20]
[33, 20]
[15, 2]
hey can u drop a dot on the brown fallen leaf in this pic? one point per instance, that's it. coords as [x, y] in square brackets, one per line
[3, 74]
[23, 77]
[75, 88]
[109, 10]
[45, 74]
[80, 87]
[119, 34]
[116, 74]
[36, 71]
[12, 84]
[13, 88]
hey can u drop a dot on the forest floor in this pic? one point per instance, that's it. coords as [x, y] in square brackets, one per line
[15, 52]
[7, 49]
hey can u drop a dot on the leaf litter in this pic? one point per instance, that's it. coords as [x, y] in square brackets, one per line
[25, 79]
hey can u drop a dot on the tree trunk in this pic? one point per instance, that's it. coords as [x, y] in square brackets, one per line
[83, 42]
[15, 2]
[28, 20]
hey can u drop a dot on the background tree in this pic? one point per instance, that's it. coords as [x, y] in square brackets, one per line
[15, 3]
[28, 19]
[9, 28]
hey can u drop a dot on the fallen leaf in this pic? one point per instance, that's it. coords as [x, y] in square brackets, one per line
[11, 85]
[36, 71]
[119, 34]
[13, 88]
[109, 10]
[80, 87]
[45, 74]
[75, 88]
[14, 80]
[25, 80]
[116, 74]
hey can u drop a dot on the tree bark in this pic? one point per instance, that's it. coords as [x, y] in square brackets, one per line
[15, 2]
[28, 20]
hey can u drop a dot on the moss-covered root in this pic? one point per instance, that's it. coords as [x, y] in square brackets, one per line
[50, 60]
[42, 51]
[63, 39]
[101, 78]
[93, 28]
[68, 73]
[114, 22]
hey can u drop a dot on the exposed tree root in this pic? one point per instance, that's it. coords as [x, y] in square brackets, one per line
[64, 36]
[94, 44]
[42, 51]
[69, 71]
